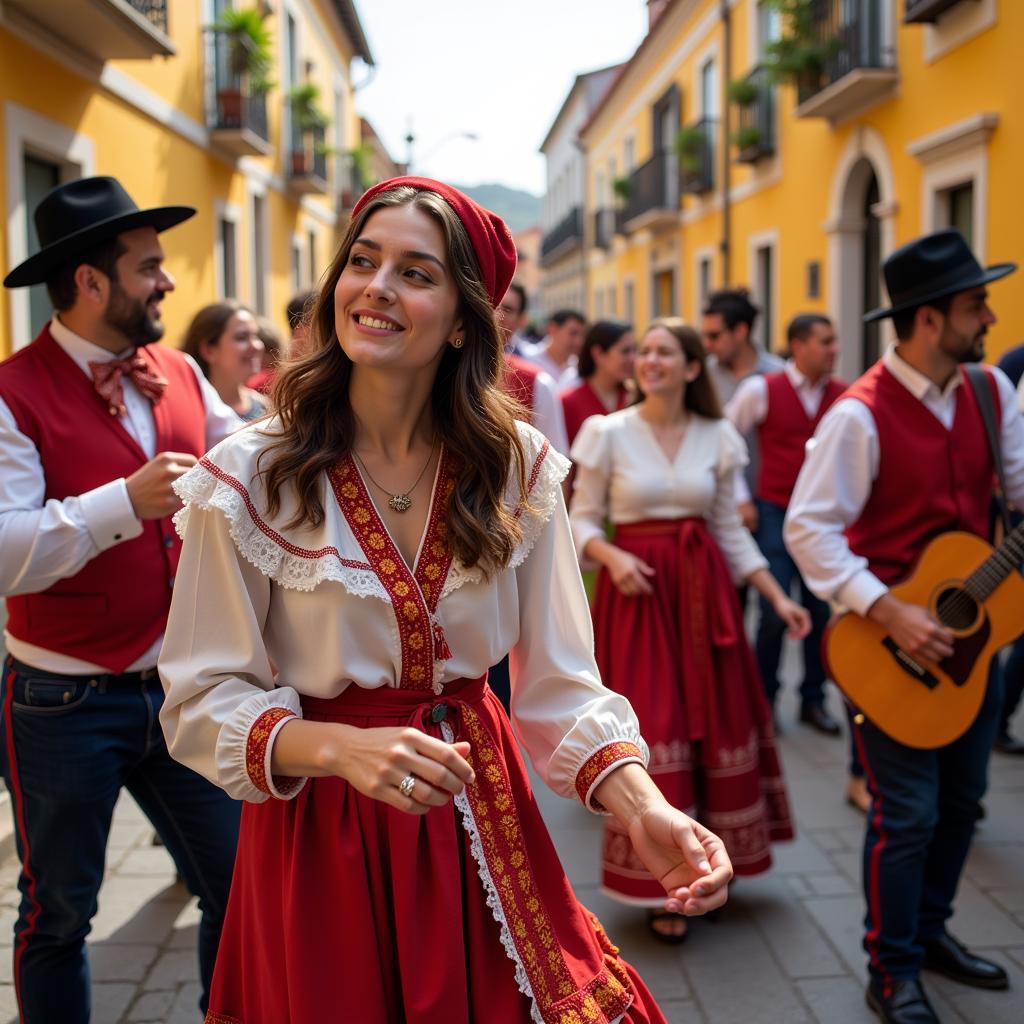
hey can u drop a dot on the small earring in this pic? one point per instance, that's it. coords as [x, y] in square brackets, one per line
[458, 342]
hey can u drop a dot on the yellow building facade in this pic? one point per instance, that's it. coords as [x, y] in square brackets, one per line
[701, 172]
[146, 91]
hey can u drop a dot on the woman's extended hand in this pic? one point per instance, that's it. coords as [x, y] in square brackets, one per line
[795, 616]
[629, 573]
[376, 761]
[688, 860]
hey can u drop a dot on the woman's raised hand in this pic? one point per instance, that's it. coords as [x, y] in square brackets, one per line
[376, 761]
[688, 860]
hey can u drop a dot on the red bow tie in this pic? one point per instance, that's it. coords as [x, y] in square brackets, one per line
[106, 379]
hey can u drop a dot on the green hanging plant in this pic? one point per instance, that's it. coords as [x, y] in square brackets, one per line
[305, 100]
[249, 41]
[799, 56]
[743, 92]
[622, 188]
[359, 160]
[689, 144]
[747, 137]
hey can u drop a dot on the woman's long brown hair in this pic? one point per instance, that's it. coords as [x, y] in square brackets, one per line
[700, 395]
[472, 415]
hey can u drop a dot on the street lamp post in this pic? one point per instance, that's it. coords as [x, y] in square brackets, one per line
[410, 141]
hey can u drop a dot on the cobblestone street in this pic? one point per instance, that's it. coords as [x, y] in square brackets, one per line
[787, 948]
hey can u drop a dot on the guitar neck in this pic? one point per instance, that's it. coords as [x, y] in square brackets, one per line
[1005, 559]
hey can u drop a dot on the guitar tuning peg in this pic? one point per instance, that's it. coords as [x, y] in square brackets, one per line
[858, 719]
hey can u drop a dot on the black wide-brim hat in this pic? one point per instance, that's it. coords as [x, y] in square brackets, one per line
[930, 268]
[80, 214]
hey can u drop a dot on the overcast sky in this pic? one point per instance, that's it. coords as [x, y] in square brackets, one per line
[498, 70]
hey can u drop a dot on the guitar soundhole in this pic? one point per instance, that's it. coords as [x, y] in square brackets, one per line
[956, 609]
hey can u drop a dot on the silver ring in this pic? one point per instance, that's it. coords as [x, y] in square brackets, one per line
[407, 785]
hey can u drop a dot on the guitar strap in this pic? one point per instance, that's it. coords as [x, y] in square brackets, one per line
[983, 393]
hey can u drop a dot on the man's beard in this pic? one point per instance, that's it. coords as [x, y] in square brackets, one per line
[131, 317]
[963, 351]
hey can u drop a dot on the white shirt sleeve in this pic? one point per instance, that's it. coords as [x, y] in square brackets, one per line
[564, 717]
[1011, 437]
[831, 491]
[221, 419]
[749, 405]
[548, 416]
[591, 451]
[46, 541]
[214, 666]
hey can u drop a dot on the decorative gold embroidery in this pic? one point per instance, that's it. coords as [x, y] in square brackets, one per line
[256, 749]
[600, 761]
[607, 995]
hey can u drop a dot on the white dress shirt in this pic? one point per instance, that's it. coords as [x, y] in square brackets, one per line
[46, 541]
[563, 376]
[837, 475]
[548, 415]
[748, 408]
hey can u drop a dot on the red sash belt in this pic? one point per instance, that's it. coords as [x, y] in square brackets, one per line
[707, 602]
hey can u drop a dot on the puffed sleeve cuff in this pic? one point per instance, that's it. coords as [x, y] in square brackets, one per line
[598, 765]
[246, 743]
[108, 514]
[732, 453]
[861, 591]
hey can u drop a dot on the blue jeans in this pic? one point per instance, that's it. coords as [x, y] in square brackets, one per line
[771, 629]
[919, 830]
[69, 744]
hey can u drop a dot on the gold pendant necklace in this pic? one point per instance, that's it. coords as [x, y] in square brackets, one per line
[402, 501]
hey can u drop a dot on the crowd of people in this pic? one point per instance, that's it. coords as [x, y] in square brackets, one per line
[309, 599]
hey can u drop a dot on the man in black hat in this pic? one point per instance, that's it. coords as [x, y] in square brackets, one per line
[902, 457]
[96, 424]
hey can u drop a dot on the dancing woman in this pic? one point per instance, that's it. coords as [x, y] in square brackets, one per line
[669, 630]
[389, 535]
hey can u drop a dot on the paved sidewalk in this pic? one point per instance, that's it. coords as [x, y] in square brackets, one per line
[786, 949]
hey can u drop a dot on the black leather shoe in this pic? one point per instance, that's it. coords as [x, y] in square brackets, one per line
[953, 959]
[905, 1004]
[1007, 744]
[818, 718]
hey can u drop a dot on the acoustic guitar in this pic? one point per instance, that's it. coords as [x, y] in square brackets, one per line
[974, 591]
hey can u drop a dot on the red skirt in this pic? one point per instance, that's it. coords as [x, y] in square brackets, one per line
[345, 909]
[682, 658]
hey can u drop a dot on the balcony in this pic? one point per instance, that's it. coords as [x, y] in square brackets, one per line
[857, 68]
[101, 29]
[237, 115]
[696, 143]
[563, 238]
[653, 194]
[307, 160]
[754, 137]
[926, 10]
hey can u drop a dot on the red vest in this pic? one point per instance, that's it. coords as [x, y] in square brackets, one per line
[114, 608]
[519, 382]
[930, 480]
[784, 433]
[580, 402]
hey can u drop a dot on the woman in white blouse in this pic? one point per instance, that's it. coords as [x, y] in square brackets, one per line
[349, 571]
[668, 625]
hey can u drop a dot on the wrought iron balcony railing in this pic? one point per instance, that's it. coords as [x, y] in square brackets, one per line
[154, 11]
[653, 190]
[697, 156]
[607, 224]
[927, 10]
[237, 114]
[565, 236]
[307, 158]
[756, 123]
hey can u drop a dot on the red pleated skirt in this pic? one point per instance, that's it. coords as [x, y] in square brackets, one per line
[344, 909]
[682, 658]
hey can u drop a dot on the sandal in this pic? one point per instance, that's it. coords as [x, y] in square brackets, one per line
[664, 917]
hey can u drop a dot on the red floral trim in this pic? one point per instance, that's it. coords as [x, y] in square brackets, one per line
[534, 474]
[214, 470]
[413, 597]
[598, 763]
[256, 748]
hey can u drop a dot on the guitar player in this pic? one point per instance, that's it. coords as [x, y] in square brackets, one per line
[902, 457]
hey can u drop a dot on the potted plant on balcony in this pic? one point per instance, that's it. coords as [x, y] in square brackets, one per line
[743, 92]
[249, 60]
[748, 140]
[690, 143]
[309, 120]
[621, 188]
[800, 54]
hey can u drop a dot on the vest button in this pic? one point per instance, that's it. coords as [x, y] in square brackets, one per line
[438, 713]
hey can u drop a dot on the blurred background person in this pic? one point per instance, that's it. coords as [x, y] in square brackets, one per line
[606, 374]
[274, 350]
[558, 353]
[668, 627]
[296, 313]
[223, 338]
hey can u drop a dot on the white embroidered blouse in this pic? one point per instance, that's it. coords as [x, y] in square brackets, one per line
[251, 594]
[623, 476]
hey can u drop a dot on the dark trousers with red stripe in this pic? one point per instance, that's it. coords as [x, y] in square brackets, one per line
[924, 810]
[69, 745]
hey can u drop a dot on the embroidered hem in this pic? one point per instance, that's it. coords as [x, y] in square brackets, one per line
[257, 753]
[597, 767]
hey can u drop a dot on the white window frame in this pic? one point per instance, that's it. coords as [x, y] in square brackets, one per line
[224, 211]
[297, 271]
[704, 253]
[957, 26]
[26, 132]
[768, 239]
[259, 247]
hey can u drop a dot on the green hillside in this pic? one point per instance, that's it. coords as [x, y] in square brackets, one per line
[517, 208]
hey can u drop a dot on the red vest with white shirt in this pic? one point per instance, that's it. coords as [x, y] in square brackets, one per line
[115, 607]
[519, 381]
[784, 433]
[930, 480]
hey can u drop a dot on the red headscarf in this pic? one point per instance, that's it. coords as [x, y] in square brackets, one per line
[491, 238]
